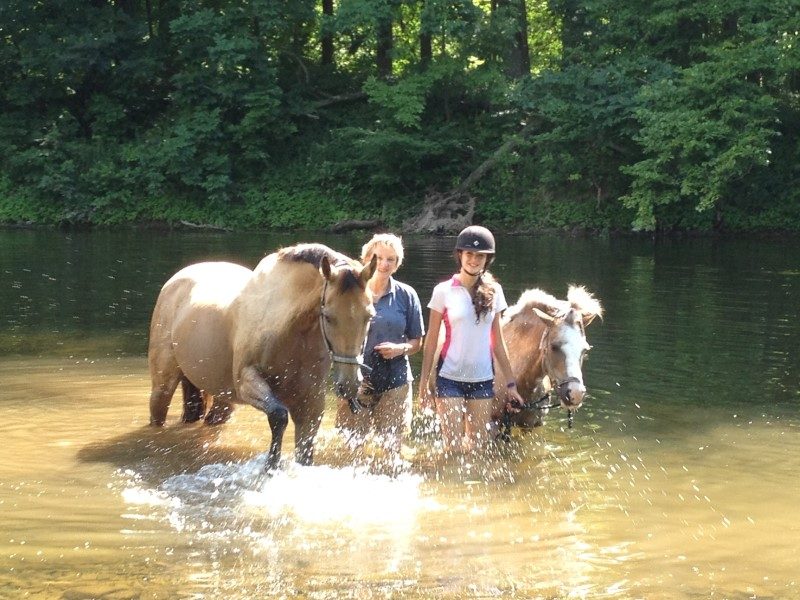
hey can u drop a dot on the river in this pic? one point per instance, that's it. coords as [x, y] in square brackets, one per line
[678, 480]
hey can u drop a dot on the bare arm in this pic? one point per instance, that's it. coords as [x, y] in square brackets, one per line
[431, 340]
[392, 349]
[501, 355]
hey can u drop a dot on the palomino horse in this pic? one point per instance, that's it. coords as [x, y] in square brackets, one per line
[266, 338]
[546, 340]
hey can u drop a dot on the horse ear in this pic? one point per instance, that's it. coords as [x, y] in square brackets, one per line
[325, 267]
[366, 272]
[588, 318]
[543, 316]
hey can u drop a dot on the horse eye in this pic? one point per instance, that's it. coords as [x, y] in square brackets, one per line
[555, 347]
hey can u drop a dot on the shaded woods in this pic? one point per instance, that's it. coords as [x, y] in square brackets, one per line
[307, 113]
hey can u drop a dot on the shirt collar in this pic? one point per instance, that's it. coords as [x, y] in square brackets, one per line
[391, 289]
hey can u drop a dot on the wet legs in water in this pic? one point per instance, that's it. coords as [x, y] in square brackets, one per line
[193, 403]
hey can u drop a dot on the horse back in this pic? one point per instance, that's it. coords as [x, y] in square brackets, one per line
[192, 322]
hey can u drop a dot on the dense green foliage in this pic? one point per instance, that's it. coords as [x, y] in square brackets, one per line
[301, 113]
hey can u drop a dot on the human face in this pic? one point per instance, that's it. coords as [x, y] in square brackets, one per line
[473, 263]
[387, 261]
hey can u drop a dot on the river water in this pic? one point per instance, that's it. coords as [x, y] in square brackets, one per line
[678, 480]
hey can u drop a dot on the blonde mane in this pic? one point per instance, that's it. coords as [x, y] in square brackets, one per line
[537, 298]
[578, 298]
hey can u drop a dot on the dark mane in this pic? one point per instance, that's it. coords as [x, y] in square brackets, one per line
[312, 254]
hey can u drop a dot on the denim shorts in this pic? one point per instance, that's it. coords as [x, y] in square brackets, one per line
[470, 390]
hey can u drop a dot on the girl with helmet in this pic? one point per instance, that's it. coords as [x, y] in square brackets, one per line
[469, 305]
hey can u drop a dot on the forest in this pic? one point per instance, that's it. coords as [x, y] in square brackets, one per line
[599, 115]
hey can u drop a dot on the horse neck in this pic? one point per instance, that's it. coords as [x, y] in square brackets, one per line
[526, 340]
[307, 304]
[296, 296]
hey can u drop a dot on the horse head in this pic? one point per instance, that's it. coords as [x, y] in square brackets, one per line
[346, 310]
[564, 346]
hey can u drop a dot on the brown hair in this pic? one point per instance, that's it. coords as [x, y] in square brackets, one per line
[482, 293]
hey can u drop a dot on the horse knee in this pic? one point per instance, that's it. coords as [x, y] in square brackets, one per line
[278, 417]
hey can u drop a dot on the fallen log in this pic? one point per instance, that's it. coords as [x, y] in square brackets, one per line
[354, 224]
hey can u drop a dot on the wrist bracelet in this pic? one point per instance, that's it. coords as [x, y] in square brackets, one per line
[511, 384]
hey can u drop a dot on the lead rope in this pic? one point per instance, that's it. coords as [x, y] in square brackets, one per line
[505, 432]
[535, 405]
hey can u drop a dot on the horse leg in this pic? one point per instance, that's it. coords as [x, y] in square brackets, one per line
[194, 405]
[220, 411]
[164, 382]
[305, 431]
[254, 390]
[278, 417]
[165, 374]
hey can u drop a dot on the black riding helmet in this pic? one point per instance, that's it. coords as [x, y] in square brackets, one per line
[476, 239]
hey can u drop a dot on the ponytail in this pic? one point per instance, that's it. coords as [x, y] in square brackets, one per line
[483, 295]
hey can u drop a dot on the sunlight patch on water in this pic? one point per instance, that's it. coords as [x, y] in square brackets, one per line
[351, 495]
[314, 496]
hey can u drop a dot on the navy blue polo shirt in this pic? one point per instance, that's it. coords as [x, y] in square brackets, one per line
[398, 318]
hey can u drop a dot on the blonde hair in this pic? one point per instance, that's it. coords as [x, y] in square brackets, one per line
[389, 240]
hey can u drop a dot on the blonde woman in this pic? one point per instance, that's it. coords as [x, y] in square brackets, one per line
[395, 333]
[468, 306]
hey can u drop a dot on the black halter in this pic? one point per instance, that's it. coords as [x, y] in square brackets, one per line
[551, 399]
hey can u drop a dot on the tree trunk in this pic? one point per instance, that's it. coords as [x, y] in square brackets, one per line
[425, 50]
[425, 39]
[383, 56]
[516, 62]
[520, 60]
[327, 34]
[149, 9]
[486, 165]
[572, 15]
[453, 210]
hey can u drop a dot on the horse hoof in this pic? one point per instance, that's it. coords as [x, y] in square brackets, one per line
[218, 416]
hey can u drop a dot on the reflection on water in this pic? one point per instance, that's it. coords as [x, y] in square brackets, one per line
[679, 479]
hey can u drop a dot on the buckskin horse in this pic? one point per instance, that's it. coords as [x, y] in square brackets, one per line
[546, 340]
[265, 337]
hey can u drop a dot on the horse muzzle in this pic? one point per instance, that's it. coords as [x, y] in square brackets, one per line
[571, 393]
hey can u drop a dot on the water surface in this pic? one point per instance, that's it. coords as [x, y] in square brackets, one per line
[679, 479]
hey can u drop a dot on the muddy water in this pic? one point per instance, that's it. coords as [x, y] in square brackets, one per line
[679, 479]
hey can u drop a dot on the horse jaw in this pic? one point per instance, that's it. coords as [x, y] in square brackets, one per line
[346, 381]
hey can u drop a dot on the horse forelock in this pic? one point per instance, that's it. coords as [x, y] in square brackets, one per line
[584, 301]
[349, 280]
